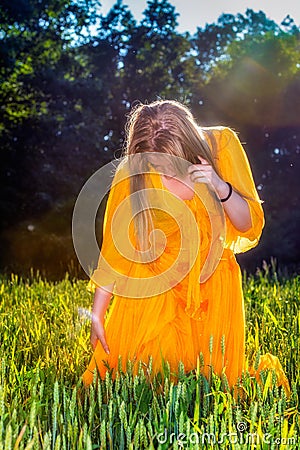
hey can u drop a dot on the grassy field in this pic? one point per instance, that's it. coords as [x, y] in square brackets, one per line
[44, 339]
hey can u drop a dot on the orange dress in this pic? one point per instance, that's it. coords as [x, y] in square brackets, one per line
[146, 318]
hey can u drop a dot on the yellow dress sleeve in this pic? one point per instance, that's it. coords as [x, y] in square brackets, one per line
[234, 167]
[111, 263]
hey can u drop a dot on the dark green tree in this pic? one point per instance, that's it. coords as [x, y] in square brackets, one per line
[69, 76]
[250, 88]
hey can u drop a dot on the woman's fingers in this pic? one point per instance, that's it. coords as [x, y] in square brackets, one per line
[199, 178]
[102, 339]
[98, 333]
[200, 173]
[203, 161]
[94, 341]
[205, 168]
[203, 173]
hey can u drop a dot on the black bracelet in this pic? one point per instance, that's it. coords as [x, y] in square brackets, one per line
[229, 195]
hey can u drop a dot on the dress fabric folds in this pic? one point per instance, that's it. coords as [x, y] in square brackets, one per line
[177, 322]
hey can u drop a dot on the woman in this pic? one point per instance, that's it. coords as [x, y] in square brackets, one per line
[177, 291]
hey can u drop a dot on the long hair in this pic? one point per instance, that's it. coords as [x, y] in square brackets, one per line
[168, 127]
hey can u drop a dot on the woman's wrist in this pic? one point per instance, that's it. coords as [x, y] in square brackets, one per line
[223, 189]
[101, 301]
[224, 199]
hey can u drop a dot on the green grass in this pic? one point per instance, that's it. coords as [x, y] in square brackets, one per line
[45, 349]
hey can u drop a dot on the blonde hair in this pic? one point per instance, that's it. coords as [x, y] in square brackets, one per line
[164, 126]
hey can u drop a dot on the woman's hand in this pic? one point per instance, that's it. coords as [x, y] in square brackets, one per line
[98, 333]
[101, 300]
[236, 207]
[204, 173]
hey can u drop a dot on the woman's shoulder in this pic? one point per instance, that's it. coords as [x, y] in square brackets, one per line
[219, 130]
[220, 136]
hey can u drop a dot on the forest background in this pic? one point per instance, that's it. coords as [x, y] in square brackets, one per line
[69, 77]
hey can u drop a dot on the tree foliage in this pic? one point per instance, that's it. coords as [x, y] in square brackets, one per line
[69, 76]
